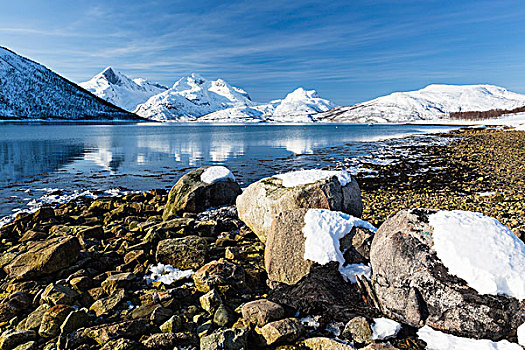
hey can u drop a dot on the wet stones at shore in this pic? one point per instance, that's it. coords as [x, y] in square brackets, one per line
[201, 189]
[104, 301]
[263, 200]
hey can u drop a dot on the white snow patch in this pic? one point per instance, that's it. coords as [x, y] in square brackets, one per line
[521, 334]
[437, 340]
[322, 230]
[303, 177]
[216, 174]
[480, 250]
[350, 272]
[384, 328]
[486, 194]
[310, 321]
[166, 274]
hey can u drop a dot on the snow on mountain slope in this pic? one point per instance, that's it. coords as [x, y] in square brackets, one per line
[120, 90]
[430, 103]
[29, 90]
[297, 107]
[192, 97]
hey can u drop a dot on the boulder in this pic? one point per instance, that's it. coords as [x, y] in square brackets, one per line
[284, 254]
[262, 311]
[15, 304]
[285, 330]
[260, 203]
[183, 253]
[322, 343]
[103, 333]
[413, 285]
[53, 319]
[11, 339]
[58, 294]
[219, 273]
[358, 329]
[196, 191]
[225, 339]
[44, 258]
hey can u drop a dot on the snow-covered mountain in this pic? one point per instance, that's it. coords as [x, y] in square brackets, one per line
[298, 106]
[29, 90]
[192, 97]
[121, 90]
[430, 103]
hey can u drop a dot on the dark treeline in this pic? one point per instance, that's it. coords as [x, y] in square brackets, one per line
[492, 113]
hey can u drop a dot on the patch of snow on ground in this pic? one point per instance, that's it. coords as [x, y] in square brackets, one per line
[216, 174]
[304, 177]
[521, 334]
[310, 321]
[384, 328]
[437, 340]
[350, 271]
[166, 274]
[480, 250]
[322, 230]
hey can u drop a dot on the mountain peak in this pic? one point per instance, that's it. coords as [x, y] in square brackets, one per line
[111, 76]
[301, 94]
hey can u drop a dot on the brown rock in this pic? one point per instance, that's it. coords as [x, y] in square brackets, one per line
[183, 253]
[262, 201]
[53, 319]
[44, 258]
[190, 194]
[322, 343]
[132, 329]
[286, 330]
[262, 311]
[219, 273]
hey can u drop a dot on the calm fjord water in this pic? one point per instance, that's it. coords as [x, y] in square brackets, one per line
[37, 158]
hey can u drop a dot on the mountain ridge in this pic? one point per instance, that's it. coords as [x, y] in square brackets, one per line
[30, 90]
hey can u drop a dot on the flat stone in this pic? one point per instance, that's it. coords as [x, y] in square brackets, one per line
[55, 294]
[219, 273]
[53, 319]
[117, 281]
[108, 304]
[262, 311]
[132, 329]
[285, 330]
[44, 258]
[226, 339]
[11, 339]
[323, 343]
[183, 253]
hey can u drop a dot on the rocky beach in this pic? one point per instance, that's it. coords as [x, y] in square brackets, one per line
[212, 266]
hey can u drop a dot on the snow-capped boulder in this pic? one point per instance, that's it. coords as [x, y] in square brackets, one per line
[192, 97]
[121, 90]
[263, 200]
[458, 272]
[29, 90]
[200, 189]
[302, 237]
[430, 103]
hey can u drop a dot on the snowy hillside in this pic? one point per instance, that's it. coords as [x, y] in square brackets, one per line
[120, 90]
[29, 90]
[297, 107]
[192, 97]
[431, 103]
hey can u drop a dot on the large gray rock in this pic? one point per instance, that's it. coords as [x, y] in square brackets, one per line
[225, 339]
[285, 330]
[217, 274]
[183, 253]
[284, 252]
[191, 194]
[44, 258]
[263, 200]
[413, 286]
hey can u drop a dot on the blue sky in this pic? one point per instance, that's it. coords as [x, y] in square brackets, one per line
[350, 51]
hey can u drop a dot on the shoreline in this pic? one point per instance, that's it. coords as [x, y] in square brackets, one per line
[116, 242]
